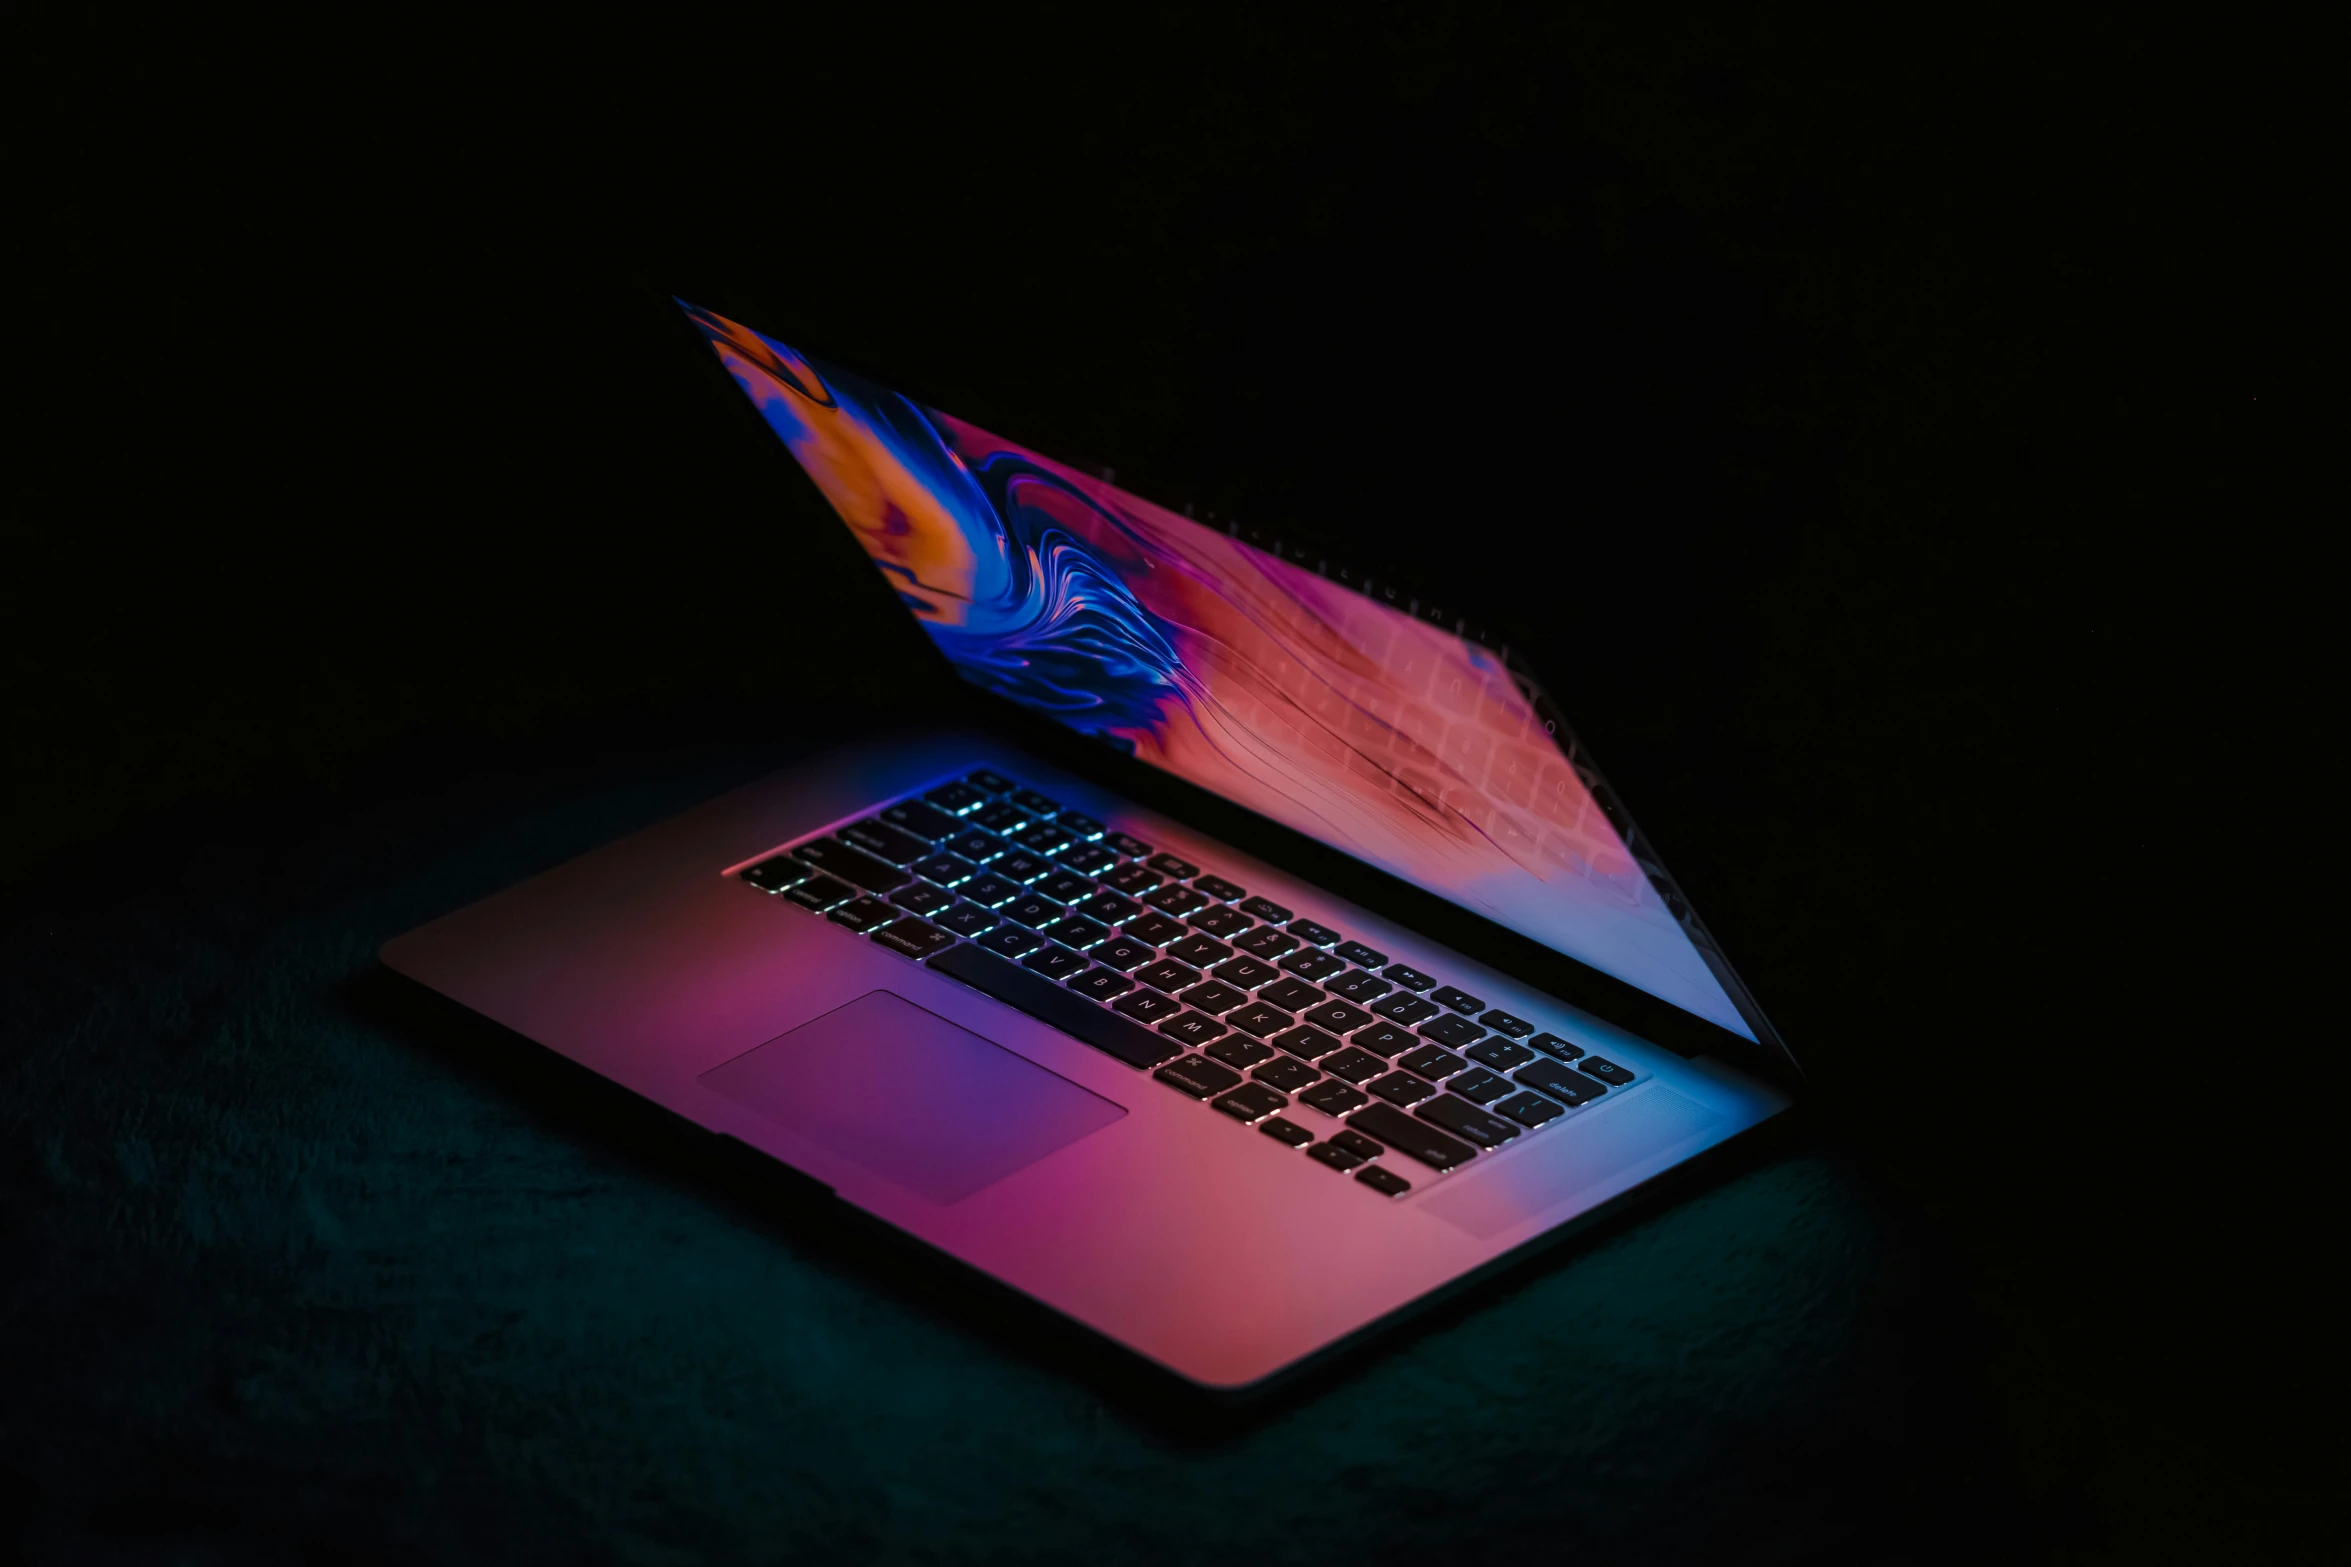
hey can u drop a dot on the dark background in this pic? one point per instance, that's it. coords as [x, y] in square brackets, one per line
[1853, 426]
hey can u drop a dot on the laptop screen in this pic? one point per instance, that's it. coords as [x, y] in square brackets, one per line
[1385, 737]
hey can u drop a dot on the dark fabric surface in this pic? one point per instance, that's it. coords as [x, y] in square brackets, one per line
[299, 1268]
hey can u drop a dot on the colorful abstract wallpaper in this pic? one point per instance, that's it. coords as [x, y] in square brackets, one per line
[1252, 676]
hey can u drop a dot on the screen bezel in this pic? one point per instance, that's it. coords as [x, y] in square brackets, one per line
[1522, 957]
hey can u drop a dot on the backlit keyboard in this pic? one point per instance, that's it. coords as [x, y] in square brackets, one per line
[1226, 997]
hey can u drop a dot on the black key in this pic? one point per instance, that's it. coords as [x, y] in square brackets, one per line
[1079, 825]
[1198, 1077]
[1265, 909]
[976, 846]
[1148, 1006]
[863, 915]
[876, 836]
[819, 892]
[1308, 930]
[1607, 1071]
[1354, 1066]
[1240, 1052]
[1167, 974]
[1458, 1000]
[1291, 995]
[1479, 1086]
[1467, 1122]
[1336, 1016]
[1087, 857]
[1131, 879]
[1032, 910]
[1169, 865]
[1219, 921]
[1560, 1083]
[1333, 1155]
[1193, 1028]
[994, 783]
[1218, 888]
[1020, 865]
[1176, 900]
[1530, 1109]
[912, 937]
[965, 919]
[1043, 838]
[1400, 1088]
[1553, 1045]
[1213, 998]
[1333, 1097]
[1053, 962]
[1266, 942]
[1503, 1023]
[1122, 952]
[1310, 1044]
[1049, 1003]
[1417, 1138]
[1500, 1054]
[1282, 1131]
[1030, 800]
[1064, 886]
[1409, 978]
[774, 875]
[1157, 929]
[1356, 1143]
[854, 866]
[1261, 1020]
[1198, 951]
[1357, 952]
[1285, 1074]
[1250, 1102]
[1075, 930]
[1011, 940]
[947, 870]
[998, 817]
[1404, 1008]
[1126, 845]
[1248, 973]
[1108, 907]
[924, 821]
[1385, 1039]
[1454, 1031]
[922, 898]
[1359, 987]
[989, 889]
[956, 797]
[1311, 964]
[1386, 1182]
[1432, 1063]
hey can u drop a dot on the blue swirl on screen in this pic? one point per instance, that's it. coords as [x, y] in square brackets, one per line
[1065, 634]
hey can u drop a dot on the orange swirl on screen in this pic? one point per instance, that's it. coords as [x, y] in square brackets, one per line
[896, 514]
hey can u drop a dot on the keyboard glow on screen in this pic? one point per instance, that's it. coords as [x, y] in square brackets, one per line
[1251, 676]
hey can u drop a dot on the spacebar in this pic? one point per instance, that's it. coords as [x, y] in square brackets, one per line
[1047, 1002]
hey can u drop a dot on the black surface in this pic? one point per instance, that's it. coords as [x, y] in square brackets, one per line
[1899, 381]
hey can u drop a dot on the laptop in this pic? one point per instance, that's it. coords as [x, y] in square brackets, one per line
[1265, 960]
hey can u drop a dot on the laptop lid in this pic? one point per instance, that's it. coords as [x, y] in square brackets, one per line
[1343, 710]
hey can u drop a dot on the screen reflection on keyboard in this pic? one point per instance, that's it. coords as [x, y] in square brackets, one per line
[1230, 998]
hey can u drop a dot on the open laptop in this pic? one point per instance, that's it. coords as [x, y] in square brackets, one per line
[1273, 962]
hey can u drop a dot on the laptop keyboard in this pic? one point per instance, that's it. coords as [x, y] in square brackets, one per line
[1225, 997]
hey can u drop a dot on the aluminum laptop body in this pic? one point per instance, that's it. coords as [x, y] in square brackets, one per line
[1228, 1104]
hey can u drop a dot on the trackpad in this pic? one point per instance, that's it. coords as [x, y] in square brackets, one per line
[911, 1097]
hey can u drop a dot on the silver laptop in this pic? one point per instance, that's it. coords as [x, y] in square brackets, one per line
[1270, 961]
